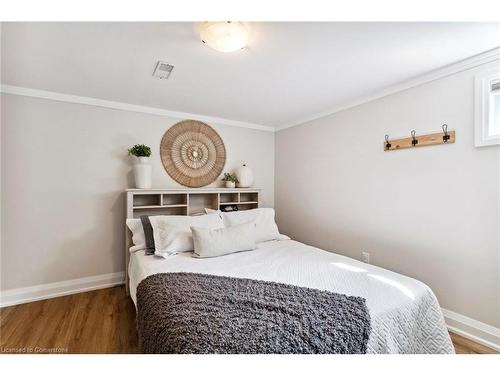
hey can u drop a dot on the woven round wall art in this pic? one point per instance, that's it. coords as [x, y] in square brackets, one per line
[192, 153]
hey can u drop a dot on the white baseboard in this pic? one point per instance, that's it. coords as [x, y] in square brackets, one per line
[18, 296]
[472, 329]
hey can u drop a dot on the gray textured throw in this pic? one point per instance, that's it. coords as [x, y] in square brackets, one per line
[196, 313]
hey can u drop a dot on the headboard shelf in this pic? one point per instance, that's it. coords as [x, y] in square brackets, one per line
[236, 202]
[159, 206]
[187, 201]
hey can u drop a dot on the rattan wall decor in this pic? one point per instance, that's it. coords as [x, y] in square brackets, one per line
[192, 153]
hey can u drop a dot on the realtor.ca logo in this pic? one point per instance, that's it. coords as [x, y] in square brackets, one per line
[32, 350]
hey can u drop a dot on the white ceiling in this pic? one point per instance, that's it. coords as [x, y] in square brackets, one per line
[289, 72]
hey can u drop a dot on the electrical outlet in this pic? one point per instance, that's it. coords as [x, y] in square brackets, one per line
[365, 257]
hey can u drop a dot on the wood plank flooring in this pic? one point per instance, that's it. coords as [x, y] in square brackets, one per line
[101, 321]
[466, 346]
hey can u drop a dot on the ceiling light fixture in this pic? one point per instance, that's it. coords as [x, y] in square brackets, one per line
[224, 36]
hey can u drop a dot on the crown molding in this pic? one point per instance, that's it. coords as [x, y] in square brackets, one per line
[85, 100]
[469, 63]
[460, 66]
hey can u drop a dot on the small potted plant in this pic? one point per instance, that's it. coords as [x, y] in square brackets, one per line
[230, 180]
[142, 168]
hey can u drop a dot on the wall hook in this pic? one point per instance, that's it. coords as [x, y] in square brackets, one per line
[443, 137]
[387, 144]
[414, 140]
[446, 136]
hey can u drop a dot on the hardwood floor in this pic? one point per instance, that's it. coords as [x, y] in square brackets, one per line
[101, 321]
[466, 346]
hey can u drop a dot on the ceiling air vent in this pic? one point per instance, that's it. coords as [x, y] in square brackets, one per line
[163, 70]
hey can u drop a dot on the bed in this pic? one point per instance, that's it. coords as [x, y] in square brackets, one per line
[405, 316]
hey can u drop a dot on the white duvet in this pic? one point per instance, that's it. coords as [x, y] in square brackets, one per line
[405, 314]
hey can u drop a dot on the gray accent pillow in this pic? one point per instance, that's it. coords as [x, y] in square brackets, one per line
[216, 242]
[148, 234]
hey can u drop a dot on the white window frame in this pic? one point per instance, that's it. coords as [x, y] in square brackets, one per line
[482, 105]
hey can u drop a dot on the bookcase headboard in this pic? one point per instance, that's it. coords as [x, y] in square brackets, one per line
[182, 202]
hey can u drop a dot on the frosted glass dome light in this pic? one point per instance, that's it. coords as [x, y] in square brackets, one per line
[224, 36]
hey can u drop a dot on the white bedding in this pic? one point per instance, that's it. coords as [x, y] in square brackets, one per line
[405, 314]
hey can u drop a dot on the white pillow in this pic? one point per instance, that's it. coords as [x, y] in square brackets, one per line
[265, 226]
[138, 238]
[216, 242]
[173, 235]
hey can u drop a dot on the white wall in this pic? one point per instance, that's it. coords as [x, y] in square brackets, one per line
[64, 170]
[431, 213]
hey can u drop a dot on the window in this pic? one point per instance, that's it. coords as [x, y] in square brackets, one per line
[487, 108]
[494, 120]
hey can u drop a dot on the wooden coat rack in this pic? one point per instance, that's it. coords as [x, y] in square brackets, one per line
[441, 138]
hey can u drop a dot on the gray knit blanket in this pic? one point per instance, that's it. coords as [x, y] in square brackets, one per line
[197, 313]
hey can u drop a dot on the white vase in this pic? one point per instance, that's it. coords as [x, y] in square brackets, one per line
[230, 184]
[245, 176]
[142, 173]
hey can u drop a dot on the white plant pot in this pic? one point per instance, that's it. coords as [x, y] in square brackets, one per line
[230, 184]
[142, 173]
[245, 176]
